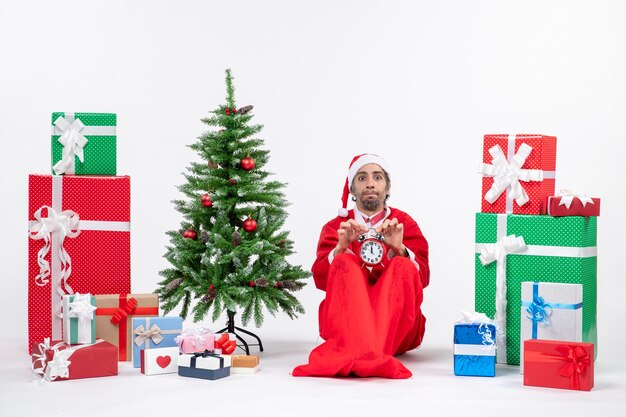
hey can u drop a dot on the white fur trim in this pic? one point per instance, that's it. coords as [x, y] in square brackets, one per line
[364, 160]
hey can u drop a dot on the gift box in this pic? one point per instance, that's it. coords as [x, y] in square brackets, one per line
[84, 143]
[474, 349]
[518, 173]
[204, 365]
[225, 343]
[114, 318]
[58, 361]
[558, 364]
[244, 364]
[79, 321]
[571, 204]
[196, 340]
[551, 312]
[513, 248]
[159, 361]
[154, 332]
[79, 242]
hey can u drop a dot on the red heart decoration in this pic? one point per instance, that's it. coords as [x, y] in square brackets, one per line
[163, 361]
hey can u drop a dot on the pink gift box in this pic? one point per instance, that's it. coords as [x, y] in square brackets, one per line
[196, 340]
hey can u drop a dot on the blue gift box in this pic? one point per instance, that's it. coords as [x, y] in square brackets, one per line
[205, 365]
[474, 349]
[154, 332]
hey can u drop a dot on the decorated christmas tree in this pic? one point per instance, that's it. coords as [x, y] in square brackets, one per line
[231, 254]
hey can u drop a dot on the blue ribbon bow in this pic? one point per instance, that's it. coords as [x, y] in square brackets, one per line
[539, 311]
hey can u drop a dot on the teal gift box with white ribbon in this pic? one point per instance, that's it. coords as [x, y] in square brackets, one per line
[84, 143]
[79, 319]
[511, 249]
[551, 311]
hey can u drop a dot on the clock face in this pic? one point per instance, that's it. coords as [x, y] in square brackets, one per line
[372, 252]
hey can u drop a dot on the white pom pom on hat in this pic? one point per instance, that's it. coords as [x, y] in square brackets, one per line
[357, 163]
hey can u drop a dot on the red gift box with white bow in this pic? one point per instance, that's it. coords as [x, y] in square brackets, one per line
[79, 228]
[518, 173]
[572, 203]
[558, 364]
[58, 361]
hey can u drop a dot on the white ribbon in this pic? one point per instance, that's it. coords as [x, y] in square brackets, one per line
[81, 309]
[508, 174]
[73, 143]
[473, 317]
[497, 252]
[475, 350]
[65, 224]
[58, 367]
[567, 196]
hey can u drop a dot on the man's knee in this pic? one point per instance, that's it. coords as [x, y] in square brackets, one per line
[345, 267]
[404, 270]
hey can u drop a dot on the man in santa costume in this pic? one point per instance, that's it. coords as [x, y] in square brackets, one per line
[373, 296]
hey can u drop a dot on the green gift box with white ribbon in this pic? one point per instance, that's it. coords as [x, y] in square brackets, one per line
[513, 248]
[84, 143]
[79, 319]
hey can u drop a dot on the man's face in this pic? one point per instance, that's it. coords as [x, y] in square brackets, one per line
[370, 188]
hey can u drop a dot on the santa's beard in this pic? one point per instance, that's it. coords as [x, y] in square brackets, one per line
[371, 204]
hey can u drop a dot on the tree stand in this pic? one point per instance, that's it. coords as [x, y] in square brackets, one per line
[230, 328]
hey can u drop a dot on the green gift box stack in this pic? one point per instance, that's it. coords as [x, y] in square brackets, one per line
[84, 143]
[512, 248]
[557, 249]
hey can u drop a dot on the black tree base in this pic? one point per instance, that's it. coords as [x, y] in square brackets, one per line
[231, 328]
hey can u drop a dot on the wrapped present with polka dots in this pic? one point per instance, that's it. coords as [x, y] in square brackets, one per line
[514, 248]
[84, 143]
[79, 229]
[518, 173]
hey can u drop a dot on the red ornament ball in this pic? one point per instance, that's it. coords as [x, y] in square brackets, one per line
[190, 234]
[251, 284]
[227, 111]
[232, 181]
[247, 163]
[211, 286]
[278, 284]
[234, 110]
[249, 225]
[206, 201]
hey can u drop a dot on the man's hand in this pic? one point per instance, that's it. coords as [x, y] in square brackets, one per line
[393, 233]
[347, 233]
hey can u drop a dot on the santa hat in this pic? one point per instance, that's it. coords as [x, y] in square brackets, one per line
[357, 163]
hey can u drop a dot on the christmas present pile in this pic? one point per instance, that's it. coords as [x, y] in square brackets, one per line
[535, 251]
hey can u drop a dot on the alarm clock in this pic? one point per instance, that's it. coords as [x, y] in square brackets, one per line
[373, 249]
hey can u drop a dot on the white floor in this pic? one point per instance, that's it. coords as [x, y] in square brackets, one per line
[433, 390]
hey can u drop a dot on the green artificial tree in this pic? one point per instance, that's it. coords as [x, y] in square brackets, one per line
[231, 254]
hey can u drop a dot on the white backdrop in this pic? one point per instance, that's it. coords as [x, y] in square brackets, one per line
[418, 82]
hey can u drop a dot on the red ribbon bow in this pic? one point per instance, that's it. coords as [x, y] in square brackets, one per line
[228, 346]
[122, 312]
[576, 362]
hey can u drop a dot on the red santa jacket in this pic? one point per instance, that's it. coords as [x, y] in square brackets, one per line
[413, 239]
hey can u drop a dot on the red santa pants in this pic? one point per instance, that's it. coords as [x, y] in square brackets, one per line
[364, 322]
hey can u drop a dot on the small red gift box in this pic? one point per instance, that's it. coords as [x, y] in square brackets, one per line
[518, 172]
[573, 205]
[558, 364]
[58, 361]
[79, 242]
